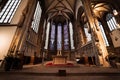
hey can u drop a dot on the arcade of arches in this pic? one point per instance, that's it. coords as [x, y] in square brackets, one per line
[36, 30]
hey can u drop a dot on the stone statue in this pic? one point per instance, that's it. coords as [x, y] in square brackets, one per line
[59, 53]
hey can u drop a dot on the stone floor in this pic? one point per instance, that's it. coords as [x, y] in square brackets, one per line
[77, 72]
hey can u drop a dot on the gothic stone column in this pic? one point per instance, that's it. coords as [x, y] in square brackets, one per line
[99, 46]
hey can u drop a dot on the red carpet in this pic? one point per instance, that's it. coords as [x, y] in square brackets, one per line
[51, 64]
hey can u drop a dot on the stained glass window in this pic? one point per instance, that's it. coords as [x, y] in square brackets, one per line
[103, 34]
[9, 10]
[88, 35]
[36, 18]
[52, 37]
[59, 37]
[112, 24]
[47, 36]
[71, 35]
[66, 37]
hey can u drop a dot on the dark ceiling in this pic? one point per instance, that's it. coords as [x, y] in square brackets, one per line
[59, 10]
[62, 10]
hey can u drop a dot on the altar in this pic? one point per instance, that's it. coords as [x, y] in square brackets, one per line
[59, 59]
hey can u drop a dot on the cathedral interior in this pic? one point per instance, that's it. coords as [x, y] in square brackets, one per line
[36, 31]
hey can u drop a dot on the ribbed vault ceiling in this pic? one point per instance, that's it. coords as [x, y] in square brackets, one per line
[60, 10]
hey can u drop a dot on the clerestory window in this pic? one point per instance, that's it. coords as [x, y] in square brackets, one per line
[36, 18]
[112, 24]
[9, 10]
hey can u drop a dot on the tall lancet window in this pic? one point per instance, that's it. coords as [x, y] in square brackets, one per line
[36, 18]
[9, 10]
[47, 35]
[103, 34]
[52, 37]
[112, 24]
[66, 37]
[59, 36]
[71, 35]
[88, 35]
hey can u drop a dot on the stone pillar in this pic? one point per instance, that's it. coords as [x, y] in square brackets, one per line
[43, 37]
[41, 32]
[70, 54]
[82, 36]
[86, 60]
[75, 33]
[117, 16]
[98, 43]
[101, 48]
[26, 25]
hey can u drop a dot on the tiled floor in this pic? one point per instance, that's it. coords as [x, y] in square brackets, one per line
[77, 72]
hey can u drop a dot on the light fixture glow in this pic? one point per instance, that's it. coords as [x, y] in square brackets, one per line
[3, 40]
[115, 12]
[3, 45]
